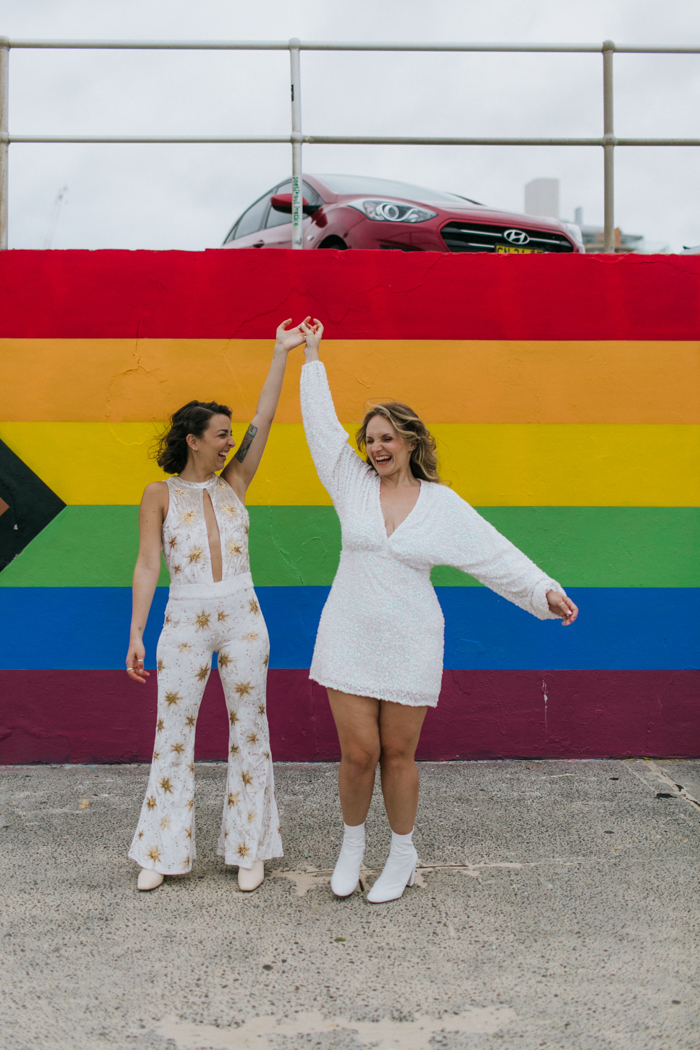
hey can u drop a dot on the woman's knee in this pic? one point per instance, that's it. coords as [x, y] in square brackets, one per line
[360, 759]
[397, 756]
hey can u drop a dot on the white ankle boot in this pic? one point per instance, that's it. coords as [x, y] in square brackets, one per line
[347, 870]
[399, 870]
[149, 879]
[250, 878]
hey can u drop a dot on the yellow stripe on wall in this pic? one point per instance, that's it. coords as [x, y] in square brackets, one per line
[488, 464]
[449, 381]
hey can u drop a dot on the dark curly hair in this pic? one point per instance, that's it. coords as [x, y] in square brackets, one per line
[171, 450]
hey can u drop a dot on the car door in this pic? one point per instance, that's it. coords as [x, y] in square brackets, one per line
[247, 231]
[278, 224]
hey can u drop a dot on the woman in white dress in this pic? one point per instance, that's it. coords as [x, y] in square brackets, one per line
[380, 643]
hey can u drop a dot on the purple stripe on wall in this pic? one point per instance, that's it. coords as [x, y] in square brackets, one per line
[99, 716]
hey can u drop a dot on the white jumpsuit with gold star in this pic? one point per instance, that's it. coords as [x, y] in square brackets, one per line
[202, 618]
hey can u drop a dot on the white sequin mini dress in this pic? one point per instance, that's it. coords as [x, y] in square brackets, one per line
[382, 630]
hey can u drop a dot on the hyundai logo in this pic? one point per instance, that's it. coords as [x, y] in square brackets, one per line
[516, 236]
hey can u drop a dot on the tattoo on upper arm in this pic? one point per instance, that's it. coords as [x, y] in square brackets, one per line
[246, 443]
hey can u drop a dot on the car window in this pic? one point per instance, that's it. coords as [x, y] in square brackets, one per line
[251, 221]
[363, 184]
[279, 218]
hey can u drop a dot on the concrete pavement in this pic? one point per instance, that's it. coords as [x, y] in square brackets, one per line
[558, 907]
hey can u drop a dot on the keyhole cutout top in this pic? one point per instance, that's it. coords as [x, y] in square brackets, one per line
[214, 537]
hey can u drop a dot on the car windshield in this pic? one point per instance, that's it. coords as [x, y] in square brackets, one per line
[365, 185]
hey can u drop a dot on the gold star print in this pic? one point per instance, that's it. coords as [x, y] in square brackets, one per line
[250, 637]
[202, 673]
[247, 529]
[160, 665]
[172, 698]
[233, 718]
[176, 570]
[266, 754]
[191, 721]
[188, 832]
[153, 854]
[224, 659]
[178, 748]
[230, 509]
[243, 850]
[151, 802]
[234, 750]
[160, 725]
[195, 554]
[232, 799]
[243, 688]
[191, 767]
[156, 756]
[140, 835]
[246, 778]
[222, 616]
[261, 709]
[187, 860]
[188, 517]
[266, 660]
[167, 618]
[173, 543]
[203, 619]
[165, 823]
[235, 548]
[253, 606]
[180, 492]
[184, 647]
[190, 803]
[166, 785]
[253, 738]
[251, 817]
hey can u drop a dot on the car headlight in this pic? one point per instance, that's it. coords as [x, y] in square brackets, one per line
[575, 231]
[392, 211]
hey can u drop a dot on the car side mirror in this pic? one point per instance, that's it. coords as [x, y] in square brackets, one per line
[283, 202]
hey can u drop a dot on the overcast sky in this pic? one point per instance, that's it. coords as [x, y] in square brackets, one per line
[188, 196]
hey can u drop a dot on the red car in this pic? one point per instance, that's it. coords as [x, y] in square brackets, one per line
[356, 211]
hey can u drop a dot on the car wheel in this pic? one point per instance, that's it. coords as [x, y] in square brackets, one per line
[334, 242]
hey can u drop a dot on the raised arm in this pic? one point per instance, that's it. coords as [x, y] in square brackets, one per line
[335, 461]
[154, 507]
[240, 471]
[467, 541]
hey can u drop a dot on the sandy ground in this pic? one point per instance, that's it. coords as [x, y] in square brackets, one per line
[557, 906]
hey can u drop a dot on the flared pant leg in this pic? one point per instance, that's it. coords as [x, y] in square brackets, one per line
[250, 824]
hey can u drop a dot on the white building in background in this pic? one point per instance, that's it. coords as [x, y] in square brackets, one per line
[542, 198]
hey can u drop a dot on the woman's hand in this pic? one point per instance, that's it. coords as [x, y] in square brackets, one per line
[287, 339]
[134, 661]
[562, 606]
[313, 333]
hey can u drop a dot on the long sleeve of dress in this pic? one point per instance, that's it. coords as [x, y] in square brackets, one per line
[466, 541]
[334, 459]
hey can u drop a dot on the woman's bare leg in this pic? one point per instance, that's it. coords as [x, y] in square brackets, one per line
[399, 731]
[357, 722]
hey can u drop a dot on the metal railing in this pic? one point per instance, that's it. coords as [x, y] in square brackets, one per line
[296, 138]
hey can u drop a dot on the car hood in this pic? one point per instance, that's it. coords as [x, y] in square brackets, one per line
[500, 218]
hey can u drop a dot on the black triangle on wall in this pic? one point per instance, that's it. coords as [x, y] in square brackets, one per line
[27, 505]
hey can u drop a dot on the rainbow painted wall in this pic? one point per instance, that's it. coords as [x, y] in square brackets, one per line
[564, 393]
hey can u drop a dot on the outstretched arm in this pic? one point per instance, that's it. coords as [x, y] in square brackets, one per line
[240, 471]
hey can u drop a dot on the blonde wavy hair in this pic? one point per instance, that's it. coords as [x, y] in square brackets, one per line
[424, 462]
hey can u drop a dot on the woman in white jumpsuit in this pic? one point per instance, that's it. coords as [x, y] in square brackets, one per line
[380, 643]
[199, 520]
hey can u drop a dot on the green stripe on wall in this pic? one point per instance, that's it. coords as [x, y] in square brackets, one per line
[96, 546]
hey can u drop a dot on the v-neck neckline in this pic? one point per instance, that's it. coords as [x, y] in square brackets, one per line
[412, 511]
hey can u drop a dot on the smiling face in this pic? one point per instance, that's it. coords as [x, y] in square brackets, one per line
[211, 449]
[387, 451]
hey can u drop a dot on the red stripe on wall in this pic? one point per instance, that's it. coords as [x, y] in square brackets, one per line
[99, 716]
[357, 294]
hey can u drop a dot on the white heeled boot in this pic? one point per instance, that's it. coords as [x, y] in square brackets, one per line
[250, 878]
[399, 870]
[347, 869]
[149, 879]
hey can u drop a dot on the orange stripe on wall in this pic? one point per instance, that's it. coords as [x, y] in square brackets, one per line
[446, 381]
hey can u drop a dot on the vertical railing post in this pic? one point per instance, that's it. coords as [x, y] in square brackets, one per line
[297, 189]
[4, 140]
[608, 149]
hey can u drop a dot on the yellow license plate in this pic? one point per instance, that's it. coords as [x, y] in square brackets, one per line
[519, 251]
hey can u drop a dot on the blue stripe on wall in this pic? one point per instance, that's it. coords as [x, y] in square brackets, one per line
[618, 629]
